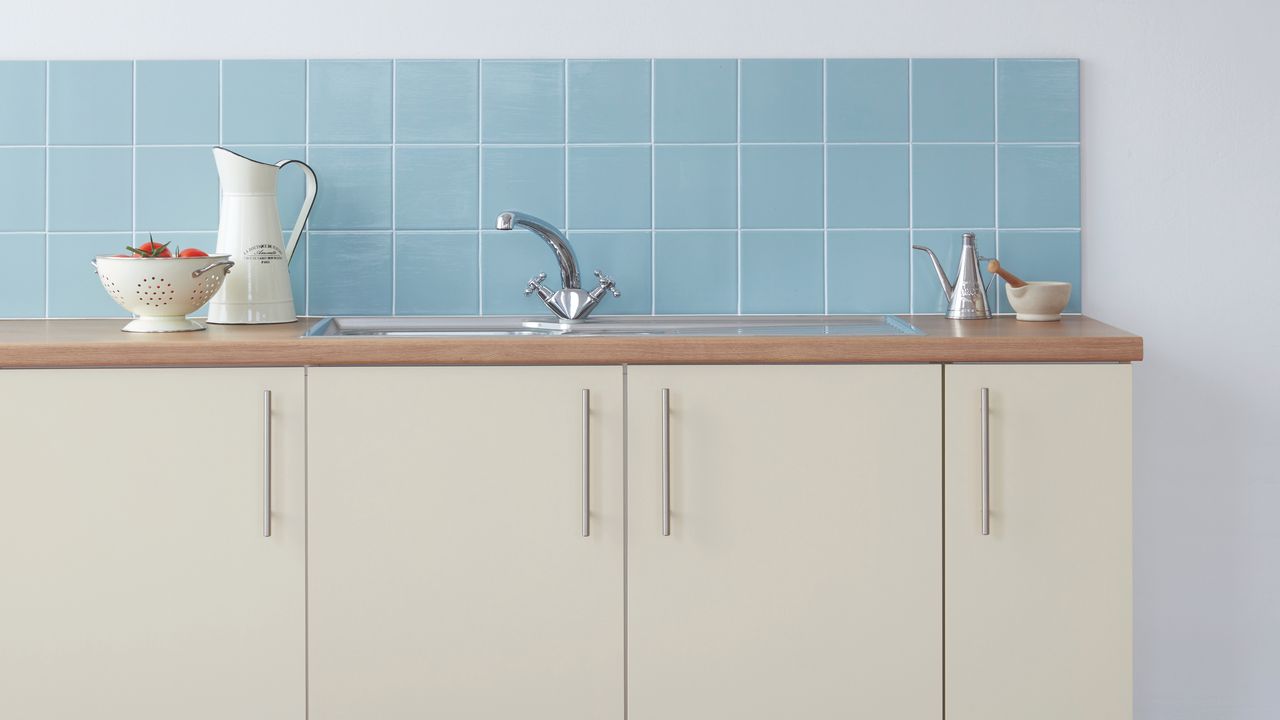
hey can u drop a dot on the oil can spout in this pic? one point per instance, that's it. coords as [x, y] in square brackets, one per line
[947, 287]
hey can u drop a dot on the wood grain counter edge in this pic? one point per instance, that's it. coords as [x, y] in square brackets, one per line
[99, 343]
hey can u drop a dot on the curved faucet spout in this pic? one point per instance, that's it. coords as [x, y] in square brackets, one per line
[568, 262]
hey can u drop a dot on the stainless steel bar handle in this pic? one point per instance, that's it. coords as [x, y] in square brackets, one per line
[266, 463]
[586, 463]
[666, 461]
[985, 402]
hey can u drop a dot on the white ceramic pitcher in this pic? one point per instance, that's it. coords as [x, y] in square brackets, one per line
[258, 292]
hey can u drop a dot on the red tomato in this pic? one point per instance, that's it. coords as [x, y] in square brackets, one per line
[192, 252]
[152, 249]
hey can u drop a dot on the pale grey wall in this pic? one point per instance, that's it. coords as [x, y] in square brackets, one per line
[1181, 121]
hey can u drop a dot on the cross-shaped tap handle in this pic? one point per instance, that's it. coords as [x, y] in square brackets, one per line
[607, 283]
[534, 283]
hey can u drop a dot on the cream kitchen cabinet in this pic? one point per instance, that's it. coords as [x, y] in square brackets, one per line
[466, 543]
[784, 546]
[567, 543]
[137, 579]
[1038, 577]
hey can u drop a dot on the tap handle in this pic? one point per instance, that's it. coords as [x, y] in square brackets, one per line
[607, 283]
[535, 283]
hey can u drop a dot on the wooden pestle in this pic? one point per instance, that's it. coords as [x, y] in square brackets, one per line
[993, 266]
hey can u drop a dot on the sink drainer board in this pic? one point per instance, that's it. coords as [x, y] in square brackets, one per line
[393, 327]
[720, 186]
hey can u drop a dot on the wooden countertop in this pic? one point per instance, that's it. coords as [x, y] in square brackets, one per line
[100, 343]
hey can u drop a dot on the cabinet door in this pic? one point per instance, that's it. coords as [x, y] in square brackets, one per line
[802, 577]
[449, 573]
[135, 578]
[1038, 616]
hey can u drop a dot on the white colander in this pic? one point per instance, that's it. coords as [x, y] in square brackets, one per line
[162, 291]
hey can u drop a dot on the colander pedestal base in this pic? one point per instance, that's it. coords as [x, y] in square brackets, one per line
[162, 324]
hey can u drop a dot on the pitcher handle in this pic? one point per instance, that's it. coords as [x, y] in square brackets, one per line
[306, 207]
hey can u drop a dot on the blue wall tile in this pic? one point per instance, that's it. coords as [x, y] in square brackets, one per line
[868, 271]
[953, 100]
[437, 188]
[355, 189]
[782, 271]
[867, 100]
[1039, 100]
[264, 101]
[695, 101]
[21, 189]
[609, 101]
[437, 101]
[627, 257]
[928, 296]
[177, 102]
[74, 288]
[437, 273]
[1043, 255]
[508, 261]
[527, 179]
[696, 272]
[609, 187]
[711, 153]
[177, 189]
[953, 186]
[522, 101]
[90, 102]
[1039, 186]
[782, 186]
[22, 276]
[781, 100]
[350, 274]
[696, 186]
[22, 102]
[90, 189]
[868, 186]
[350, 101]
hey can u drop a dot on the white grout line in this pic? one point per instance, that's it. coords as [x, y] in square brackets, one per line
[480, 187]
[222, 143]
[395, 112]
[306, 153]
[564, 146]
[653, 187]
[133, 152]
[602, 231]
[201, 146]
[652, 144]
[995, 135]
[738, 122]
[221, 140]
[48, 71]
[911, 190]
[826, 242]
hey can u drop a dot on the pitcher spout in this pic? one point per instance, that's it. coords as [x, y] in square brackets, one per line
[240, 175]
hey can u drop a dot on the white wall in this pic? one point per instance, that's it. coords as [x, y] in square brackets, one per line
[1181, 121]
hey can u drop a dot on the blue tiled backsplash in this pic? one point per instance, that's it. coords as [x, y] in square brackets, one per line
[703, 186]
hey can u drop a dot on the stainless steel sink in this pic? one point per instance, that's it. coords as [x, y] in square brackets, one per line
[722, 325]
